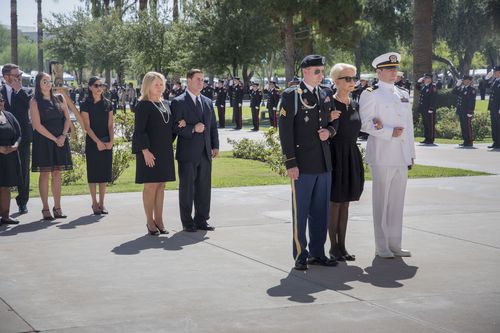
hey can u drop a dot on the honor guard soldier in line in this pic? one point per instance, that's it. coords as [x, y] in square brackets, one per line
[177, 90]
[294, 82]
[466, 103]
[220, 102]
[494, 105]
[304, 136]
[272, 103]
[386, 115]
[207, 90]
[427, 107]
[237, 90]
[255, 100]
[361, 86]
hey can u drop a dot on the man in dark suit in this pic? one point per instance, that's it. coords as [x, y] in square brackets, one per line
[17, 101]
[197, 144]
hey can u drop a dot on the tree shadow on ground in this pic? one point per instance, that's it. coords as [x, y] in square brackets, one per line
[27, 227]
[175, 242]
[300, 286]
[81, 221]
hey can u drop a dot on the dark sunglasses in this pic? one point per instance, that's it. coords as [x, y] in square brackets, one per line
[348, 78]
[97, 85]
[2, 100]
[319, 71]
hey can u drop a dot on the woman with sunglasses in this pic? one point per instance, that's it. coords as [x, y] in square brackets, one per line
[51, 153]
[10, 164]
[348, 172]
[97, 115]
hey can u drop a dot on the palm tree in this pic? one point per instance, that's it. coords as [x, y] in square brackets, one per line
[13, 32]
[422, 38]
[143, 5]
[39, 34]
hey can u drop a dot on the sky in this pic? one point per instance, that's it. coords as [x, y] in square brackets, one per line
[26, 10]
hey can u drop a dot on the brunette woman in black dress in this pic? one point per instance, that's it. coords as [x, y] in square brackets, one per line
[10, 164]
[50, 153]
[152, 144]
[348, 172]
[97, 115]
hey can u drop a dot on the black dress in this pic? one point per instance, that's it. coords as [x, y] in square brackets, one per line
[153, 130]
[47, 156]
[99, 163]
[10, 165]
[348, 172]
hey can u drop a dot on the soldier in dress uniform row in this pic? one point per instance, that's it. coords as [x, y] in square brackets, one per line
[255, 100]
[466, 103]
[494, 105]
[427, 107]
[386, 115]
[304, 134]
[207, 90]
[220, 102]
[237, 93]
[272, 103]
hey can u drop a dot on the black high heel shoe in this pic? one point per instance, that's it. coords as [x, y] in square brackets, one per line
[162, 231]
[58, 213]
[47, 217]
[96, 211]
[152, 233]
[103, 210]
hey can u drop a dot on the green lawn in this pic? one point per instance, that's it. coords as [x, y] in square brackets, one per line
[231, 172]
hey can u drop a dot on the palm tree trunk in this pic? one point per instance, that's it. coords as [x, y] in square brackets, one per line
[40, 35]
[143, 5]
[13, 32]
[175, 11]
[288, 32]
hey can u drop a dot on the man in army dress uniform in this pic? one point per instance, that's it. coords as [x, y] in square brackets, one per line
[386, 115]
[237, 103]
[272, 103]
[427, 107]
[466, 103]
[255, 100]
[304, 135]
[220, 102]
[494, 105]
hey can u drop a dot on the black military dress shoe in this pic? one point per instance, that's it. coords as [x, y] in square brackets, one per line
[190, 228]
[300, 265]
[322, 261]
[23, 209]
[493, 147]
[206, 227]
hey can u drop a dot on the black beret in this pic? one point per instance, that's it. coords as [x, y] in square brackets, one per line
[428, 75]
[312, 60]
[496, 68]
[467, 77]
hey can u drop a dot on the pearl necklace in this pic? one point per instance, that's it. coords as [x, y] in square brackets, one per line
[163, 110]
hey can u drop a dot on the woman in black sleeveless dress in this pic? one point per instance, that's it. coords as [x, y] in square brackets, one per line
[348, 171]
[97, 117]
[10, 165]
[152, 143]
[51, 152]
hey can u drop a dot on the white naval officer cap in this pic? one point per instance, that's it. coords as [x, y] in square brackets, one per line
[387, 60]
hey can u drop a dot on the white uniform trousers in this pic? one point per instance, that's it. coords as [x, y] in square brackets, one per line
[388, 196]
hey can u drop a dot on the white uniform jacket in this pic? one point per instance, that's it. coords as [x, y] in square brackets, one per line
[391, 105]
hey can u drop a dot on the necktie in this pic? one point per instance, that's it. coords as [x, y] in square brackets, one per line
[199, 109]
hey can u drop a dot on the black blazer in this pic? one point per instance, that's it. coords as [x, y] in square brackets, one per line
[20, 109]
[191, 145]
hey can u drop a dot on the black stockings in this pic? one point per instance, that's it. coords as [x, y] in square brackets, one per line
[337, 228]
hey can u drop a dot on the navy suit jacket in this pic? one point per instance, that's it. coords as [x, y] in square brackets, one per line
[20, 109]
[191, 145]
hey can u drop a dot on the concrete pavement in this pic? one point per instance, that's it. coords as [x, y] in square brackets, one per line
[104, 274]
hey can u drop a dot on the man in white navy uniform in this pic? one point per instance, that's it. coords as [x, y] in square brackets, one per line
[386, 116]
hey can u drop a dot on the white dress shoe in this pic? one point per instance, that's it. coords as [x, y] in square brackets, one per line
[402, 253]
[387, 255]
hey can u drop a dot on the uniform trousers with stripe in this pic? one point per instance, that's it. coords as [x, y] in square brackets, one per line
[388, 196]
[429, 125]
[310, 200]
[466, 128]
